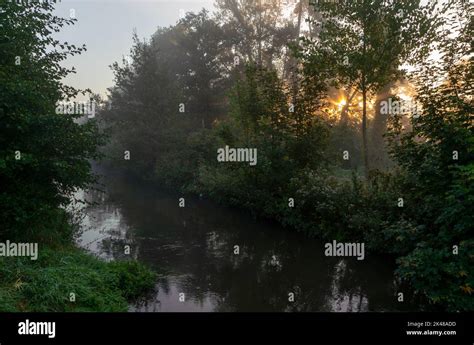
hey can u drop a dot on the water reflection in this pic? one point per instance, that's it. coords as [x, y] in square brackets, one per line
[195, 245]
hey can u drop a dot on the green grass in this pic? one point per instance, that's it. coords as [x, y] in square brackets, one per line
[46, 284]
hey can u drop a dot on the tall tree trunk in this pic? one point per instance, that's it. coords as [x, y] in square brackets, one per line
[294, 66]
[365, 149]
[259, 34]
[345, 110]
[379, 157]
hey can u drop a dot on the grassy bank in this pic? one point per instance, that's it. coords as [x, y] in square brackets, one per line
[45, 157]
[47, 284]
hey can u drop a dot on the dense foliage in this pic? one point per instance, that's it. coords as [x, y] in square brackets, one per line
[44, 158]
[437, 159]
[45, 285]
[309, 101]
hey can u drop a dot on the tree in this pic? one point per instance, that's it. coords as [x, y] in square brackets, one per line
[173, 88]
[256, 30]
[364, 43]
[437, 160]
[44, 156]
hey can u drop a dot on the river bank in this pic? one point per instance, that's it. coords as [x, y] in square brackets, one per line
[70, 280]
[195, 247]
[61, 277]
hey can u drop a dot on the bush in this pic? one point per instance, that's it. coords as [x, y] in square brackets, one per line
[46, 284]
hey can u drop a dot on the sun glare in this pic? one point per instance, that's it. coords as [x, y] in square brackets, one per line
[341, 103]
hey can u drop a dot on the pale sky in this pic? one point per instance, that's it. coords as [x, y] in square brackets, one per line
[106, 27]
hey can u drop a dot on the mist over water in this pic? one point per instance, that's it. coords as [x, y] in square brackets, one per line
[193, 248]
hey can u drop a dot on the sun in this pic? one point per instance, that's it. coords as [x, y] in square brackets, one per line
[341, 103]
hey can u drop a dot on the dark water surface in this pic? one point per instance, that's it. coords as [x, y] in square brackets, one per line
[195, 245]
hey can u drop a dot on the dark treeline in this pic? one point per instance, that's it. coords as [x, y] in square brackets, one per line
[306, 85]
[44, 159]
